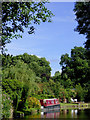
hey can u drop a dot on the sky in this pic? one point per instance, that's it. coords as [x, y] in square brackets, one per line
[51, 40]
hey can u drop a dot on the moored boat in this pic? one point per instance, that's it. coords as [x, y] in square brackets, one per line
[50, 103]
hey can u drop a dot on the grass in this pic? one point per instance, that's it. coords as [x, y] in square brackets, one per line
[67, 104]
[73, 105]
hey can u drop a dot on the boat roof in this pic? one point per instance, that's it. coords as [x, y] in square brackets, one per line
[50, 99]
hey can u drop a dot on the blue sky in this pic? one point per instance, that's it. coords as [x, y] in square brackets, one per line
[51, 40]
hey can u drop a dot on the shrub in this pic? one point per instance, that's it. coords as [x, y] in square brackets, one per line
[32, 102]
[6, 105]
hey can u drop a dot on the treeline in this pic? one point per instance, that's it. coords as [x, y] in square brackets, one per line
[27, 78]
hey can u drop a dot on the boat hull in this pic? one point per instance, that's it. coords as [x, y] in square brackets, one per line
[53, 106]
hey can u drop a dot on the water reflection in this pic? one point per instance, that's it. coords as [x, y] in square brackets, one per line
[64, 113]
[50, 114]
[74, 113]
[67, 113]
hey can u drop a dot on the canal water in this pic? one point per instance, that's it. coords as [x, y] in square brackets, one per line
[63, 113]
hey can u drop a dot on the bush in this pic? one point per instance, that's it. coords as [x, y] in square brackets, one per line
[6, 105]
[32, 102]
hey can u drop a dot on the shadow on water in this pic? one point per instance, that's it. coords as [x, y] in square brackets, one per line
[63, 113]
[60, 113]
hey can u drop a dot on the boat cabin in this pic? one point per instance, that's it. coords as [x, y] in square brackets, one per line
[50, 102]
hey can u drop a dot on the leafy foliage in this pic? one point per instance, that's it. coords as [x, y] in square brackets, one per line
[14, 89]
[76, 70]
[75, 64]
[32, 102]
[19, 15]
[82, 12]
[21, 77]
[6, 105]
[81, 92]
[39, 66]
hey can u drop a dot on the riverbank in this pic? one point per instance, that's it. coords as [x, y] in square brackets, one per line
[68, 112]
[74, 105]
[33, 111]
[21, 114]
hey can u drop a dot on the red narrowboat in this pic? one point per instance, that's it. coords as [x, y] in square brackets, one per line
[50, 103]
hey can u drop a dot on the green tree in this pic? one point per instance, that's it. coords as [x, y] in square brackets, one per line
[6, 60]
[40, 66]
[76, 68]
[81, 92]
[19, 15]
[30, 71]
[82, 12]
[22, 73]
[57, 76]
[14, 89]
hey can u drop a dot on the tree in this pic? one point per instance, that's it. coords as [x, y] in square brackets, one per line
[76, 72]
[19, 15]
[81, 92]
[76, 68]
[82, 12]
[40, 66]
[14, 89]
[30, 71]
[57, 78]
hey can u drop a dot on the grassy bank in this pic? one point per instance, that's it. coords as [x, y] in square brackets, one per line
[74, 105]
